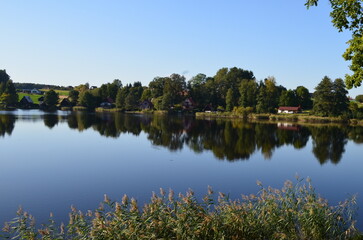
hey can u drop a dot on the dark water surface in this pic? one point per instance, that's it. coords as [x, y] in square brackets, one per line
[52, 161]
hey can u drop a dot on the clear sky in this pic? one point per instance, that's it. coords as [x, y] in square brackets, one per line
[70, 42]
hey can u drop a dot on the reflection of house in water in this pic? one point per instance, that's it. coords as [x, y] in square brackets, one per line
[288, 126]
[188, 104]
[187, 124]
[64, 103]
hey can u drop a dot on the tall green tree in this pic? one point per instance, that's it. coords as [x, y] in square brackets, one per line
[348, 15]
[229, 100]
[167, 101]
[198, 90]
[51, 98]
[272, 94]
[248, 93]
[341, 100]
[73, 97]
[4, 77]
[262, 103]
[288, 98]
[9, 97]
[303, 97]
[330, 98]
[146, 94]
[131, 101]
[86, 99]
[156, 86]
[121, 96]
[226, 78]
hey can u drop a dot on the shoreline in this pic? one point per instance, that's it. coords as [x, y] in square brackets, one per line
[288, 118]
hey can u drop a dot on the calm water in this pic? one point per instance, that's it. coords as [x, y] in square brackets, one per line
[52, 161]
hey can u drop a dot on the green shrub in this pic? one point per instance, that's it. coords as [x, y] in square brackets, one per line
[293, 212]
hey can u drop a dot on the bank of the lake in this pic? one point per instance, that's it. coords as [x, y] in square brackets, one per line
[300, 118]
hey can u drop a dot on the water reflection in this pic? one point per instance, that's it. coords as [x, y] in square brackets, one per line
[227, 139]
[7, 124]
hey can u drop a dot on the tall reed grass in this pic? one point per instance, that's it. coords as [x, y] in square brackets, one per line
[293, 212]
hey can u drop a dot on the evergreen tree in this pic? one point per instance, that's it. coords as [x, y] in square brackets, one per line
[341, 100]
[262, 105]
[324, 98]
[4, 77]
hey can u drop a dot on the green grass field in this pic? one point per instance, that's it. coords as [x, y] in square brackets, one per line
[34, 97]
[60, 92]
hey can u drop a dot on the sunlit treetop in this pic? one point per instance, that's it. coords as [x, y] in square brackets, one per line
[348, 15]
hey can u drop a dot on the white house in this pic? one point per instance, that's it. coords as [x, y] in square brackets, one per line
[35, 91]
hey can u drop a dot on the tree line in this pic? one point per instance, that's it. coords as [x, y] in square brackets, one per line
[230, 89]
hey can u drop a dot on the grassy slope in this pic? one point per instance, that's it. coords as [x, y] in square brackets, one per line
[60, 92]
[34, 97]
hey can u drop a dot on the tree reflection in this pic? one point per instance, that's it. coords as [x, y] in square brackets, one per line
[50, 120]
[329, 143]
[229, 140]
[7, 123]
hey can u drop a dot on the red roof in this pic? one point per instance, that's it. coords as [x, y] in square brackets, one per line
[290, 108]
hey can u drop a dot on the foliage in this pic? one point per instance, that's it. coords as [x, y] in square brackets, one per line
[51, 98]
[288, 98]
[121, 96]
[230, 78]
[348, 15]
[229, 100]
[4, 77]
[303, 97]
[8, 95]
[293, 212]
[330, 98]
[73, 97]
[268, 96]
[86, 99]
[248, 93]
[243, 111]
[359, 98]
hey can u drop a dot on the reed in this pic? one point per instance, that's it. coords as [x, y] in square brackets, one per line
[293, 212]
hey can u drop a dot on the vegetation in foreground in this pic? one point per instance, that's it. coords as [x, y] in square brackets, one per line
[294, 212]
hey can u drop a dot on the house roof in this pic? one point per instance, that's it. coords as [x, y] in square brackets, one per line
[28, 99]
[289, 108]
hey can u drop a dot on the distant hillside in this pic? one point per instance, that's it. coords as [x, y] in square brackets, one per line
[40, 86]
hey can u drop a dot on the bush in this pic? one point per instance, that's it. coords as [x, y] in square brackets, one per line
[294, 212]
[244, 112]
[359, 98]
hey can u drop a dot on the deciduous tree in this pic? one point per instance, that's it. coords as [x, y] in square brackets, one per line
[348, 15]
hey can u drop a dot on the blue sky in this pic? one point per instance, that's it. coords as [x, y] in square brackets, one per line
[70, 42]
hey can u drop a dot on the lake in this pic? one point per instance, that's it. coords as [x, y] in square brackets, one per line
[52, 161]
